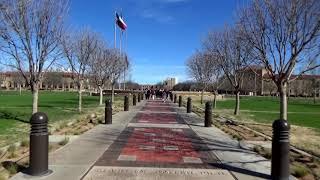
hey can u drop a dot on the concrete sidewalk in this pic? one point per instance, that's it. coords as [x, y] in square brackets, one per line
[155, 140]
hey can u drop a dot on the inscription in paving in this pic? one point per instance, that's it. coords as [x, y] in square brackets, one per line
[144, 173]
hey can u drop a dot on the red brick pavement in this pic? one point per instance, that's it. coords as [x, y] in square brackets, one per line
[154, 147]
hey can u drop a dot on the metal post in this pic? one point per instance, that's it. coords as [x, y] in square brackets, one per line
[126, 103]
[142, 96]
[280, 150]
[139, 97]
[39, 144]
[180, 101]
[189, 105]
[134, 100]
[208, 115]
[108, 112]
[175, 99]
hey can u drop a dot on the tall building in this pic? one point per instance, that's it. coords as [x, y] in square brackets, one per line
[169, 83]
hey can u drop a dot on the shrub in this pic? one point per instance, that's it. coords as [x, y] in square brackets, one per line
[25, 143]
[12, 168]
[299, 170]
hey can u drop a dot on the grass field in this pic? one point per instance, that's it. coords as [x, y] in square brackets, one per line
[15, 110]
[301, 111]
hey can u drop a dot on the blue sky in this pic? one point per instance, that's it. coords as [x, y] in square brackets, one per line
[161, 34]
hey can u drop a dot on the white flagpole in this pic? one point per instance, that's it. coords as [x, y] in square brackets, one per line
[120, 50]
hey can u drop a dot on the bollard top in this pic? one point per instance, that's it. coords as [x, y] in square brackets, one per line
[39, 118]
[281, 125]
[189, 98]
[208, 103]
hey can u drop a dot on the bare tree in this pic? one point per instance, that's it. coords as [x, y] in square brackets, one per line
[233, 57]
[202, 68]
[18, 79]
[79, 50]
[30, 33]
[284, 34]
[100, 67]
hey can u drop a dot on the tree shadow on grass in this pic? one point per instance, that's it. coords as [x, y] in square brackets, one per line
[9, 115]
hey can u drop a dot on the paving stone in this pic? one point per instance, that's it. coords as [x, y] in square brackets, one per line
[193, 160]
[167, 135]
[177, 130]
[159, 140]
[143, 147]
[127, 158]
[149, 134]
[143, 121]
[171, 148]
[140, 129]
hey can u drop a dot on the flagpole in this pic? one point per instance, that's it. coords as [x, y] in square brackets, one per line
[120, 50]
[115, 30]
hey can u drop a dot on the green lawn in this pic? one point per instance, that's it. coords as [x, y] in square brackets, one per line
[301, 111]
[15, 109]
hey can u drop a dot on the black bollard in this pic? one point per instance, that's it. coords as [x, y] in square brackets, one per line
[171, 96]
[139, 97]
[142, 96]
[134, 100]
[39, 144]
[175, 99]
[280, 150]
[108, 112]
[180, 101]
[126, 103]
[208, 115]
[189, 105]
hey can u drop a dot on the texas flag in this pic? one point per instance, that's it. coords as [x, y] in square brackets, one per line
[120, 22]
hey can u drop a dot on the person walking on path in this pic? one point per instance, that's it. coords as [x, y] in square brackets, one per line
[164, 96]
[148, 94]
[153, 93]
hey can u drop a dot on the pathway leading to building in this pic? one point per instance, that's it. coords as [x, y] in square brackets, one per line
[154, 140]
[157, 144]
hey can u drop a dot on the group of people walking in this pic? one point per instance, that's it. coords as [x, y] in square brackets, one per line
[162, 93]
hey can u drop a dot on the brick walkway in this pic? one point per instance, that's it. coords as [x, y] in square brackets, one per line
[157, 137]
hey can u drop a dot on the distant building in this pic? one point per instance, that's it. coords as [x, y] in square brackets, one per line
[169, 83]
[256, 81]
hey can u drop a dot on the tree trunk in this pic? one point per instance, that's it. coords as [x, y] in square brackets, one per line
[101, 95]
[112, 93]
[202, 92]
[35, 96]
[80, 97]
[314, 96]
[215, 100]
[282, 88]
[20, 89]
[237, 107]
